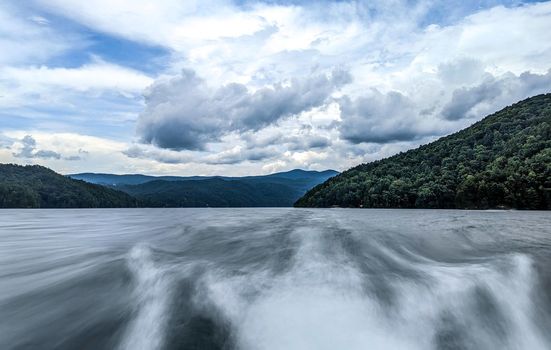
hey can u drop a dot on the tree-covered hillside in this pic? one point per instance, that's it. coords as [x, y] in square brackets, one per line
[503, 161]
[39, 187]
[210, 193]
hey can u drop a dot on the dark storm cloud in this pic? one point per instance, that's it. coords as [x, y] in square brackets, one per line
[495, 93]
[380, 118]
[184, 113]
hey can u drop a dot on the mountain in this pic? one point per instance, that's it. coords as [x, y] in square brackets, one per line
[137, 179]
[502, 161]
[127, 179]
[39, 187]
[273, 190]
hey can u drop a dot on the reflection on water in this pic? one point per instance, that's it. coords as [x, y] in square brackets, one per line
[274, 279]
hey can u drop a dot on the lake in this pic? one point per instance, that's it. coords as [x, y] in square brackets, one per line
[274, 279]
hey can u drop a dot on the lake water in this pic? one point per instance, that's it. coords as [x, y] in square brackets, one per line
[274, 279]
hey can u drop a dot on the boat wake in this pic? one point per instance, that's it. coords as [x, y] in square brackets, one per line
[327, 301]
[281, 279]
[340, 291]
[151, 295]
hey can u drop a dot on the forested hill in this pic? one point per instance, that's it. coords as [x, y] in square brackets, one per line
[502, 161]
[213, 192]
[39, 187]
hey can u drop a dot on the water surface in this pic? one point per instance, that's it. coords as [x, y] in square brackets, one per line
[274, 279]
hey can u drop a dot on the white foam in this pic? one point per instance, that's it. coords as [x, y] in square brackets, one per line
[320, 303]
[508, 280]
[146, 330]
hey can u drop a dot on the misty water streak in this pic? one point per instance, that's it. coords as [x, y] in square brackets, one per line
[274, 279]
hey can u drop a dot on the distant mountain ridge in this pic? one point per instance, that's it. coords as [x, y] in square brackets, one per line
[138, 179]
[502, 161]
[273, 190]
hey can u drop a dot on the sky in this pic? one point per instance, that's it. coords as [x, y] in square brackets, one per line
[220, 87]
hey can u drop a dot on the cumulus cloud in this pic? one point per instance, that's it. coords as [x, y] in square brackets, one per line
[28, 150]
[185, 113]
[495, 93]
[393, 116]
[461, 71]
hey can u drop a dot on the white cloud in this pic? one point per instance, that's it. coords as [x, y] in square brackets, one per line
[26, 39]
[414, 77]
[505, 39]
[59, 99]
[171, 23]
[495, 93]
[95, 76]
[77, 153]
[381, 41]
[28, 150]
[39, 20]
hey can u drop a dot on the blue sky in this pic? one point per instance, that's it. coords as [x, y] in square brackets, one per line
[241, 87]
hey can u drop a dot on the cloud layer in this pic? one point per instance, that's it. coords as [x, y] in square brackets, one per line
[237, 87]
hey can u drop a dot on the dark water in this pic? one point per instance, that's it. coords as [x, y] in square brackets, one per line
[274, 279]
